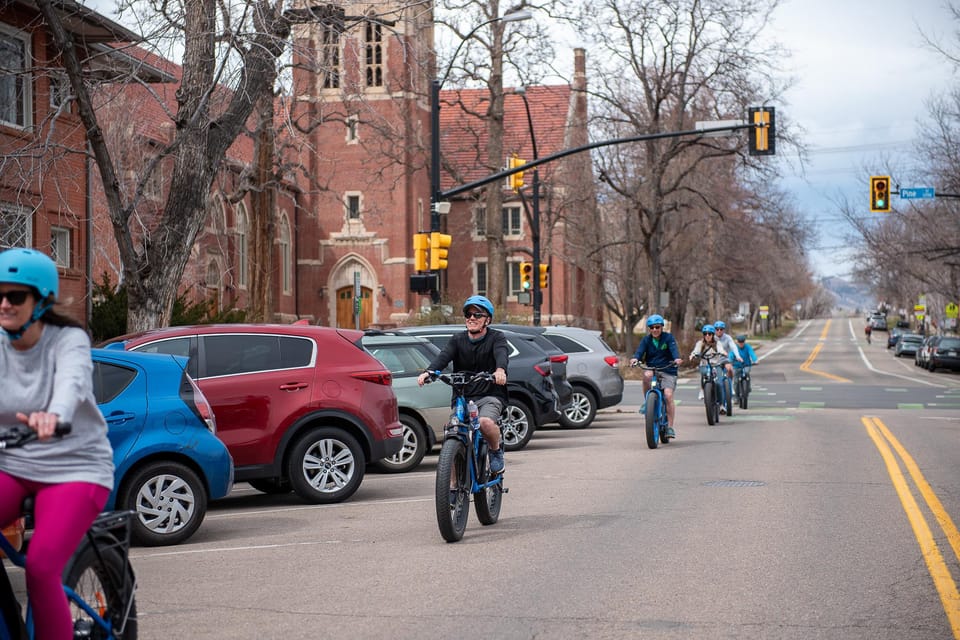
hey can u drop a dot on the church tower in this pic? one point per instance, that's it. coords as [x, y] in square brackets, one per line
[359, 153]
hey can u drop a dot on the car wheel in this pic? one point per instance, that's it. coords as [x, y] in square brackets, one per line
[582, 409]
[326, 465]
[414, 447]
[518, 426]
[169, 501]
[271, 486]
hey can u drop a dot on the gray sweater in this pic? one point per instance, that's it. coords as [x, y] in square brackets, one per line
[55, 375]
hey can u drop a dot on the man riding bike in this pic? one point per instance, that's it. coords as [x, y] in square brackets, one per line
[659, 349]
[748, 355]
[479, 349]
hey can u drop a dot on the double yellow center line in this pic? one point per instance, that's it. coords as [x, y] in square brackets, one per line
[939, 571]
[813, 356]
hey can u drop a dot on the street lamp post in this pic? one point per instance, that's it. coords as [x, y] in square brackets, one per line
[535, 231]
[435, 87]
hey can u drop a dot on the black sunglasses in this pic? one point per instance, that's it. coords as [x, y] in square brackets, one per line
[473, 314]
[656, 326]
[16, 298]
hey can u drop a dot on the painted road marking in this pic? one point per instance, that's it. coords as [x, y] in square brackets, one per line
[813, 356]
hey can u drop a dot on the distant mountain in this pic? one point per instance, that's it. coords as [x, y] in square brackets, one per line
[849, 296]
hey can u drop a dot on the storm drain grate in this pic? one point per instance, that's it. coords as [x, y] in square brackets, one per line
[734, 483]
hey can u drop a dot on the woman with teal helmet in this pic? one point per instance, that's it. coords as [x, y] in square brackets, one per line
[48, 375]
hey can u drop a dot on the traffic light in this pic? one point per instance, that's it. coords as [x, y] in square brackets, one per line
[880, 194]
[763, 134]
[439, 246]
[526, 276]
[516, 179]
[421, 242]
[544, 275]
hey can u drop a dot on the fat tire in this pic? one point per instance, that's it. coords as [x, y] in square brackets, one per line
[728, 395]
[582, 410]
[452, 519]
[518, 426]
[98, 582]
[326, 465]
[488, 500]
[412, 450]
[169, 502]
[652, 417]
[709, 403]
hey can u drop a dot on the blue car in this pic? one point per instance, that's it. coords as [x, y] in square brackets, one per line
[169, 462]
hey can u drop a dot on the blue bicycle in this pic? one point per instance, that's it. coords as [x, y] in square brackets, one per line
[463, 469]
[711, 385]
[655, 409]
[98, 579]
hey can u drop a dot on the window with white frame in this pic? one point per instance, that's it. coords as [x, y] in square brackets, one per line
[15, 227]
[511, 215]
[373, 36]
[242, 248]
[352, 131]
[516, 285]
[329, 57]
[16, 103]
[352, 205]
[481, 278]
[480, 220]
[286, 260]
[60, 246]
[60, 90]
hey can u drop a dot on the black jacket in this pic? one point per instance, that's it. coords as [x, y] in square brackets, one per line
[489, 353]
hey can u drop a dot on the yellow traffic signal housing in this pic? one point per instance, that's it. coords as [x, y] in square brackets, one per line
[516, 179]
[763, 134]
[880, 194]
[421, 243]
[526, 276]
[439, 247]
[544, 275]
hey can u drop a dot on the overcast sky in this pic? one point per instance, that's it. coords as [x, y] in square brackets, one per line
[863, 76]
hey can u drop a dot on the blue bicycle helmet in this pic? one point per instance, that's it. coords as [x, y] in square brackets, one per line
[742, 338]
[720, 324]
[655, 319]
[479, 301]
[709, 328]
[31, 268]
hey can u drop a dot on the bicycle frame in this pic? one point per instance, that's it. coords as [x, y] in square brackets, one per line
[468, 434]
[656, 430]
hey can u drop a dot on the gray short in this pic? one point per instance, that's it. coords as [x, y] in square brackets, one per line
[489, 407]
[667, 381]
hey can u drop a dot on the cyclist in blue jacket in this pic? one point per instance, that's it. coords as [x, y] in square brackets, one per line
[659, 349]
[748, 355]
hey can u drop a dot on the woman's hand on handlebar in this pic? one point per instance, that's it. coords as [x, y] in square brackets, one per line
[43, 422]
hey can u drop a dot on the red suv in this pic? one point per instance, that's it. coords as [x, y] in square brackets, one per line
[298, 406]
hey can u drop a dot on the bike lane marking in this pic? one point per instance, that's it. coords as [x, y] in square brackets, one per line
[936, 565]
[813, 356]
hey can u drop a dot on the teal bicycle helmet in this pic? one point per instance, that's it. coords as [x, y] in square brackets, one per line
[33, 269]
[709, 328]
[720, 324]
[479, 301]
[655, 319]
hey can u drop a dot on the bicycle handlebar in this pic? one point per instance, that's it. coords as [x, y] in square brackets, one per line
[459, 379]
[21, 434]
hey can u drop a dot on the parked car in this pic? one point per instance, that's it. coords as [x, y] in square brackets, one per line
[592, 369]
[558, 361]
[299, 407]
[895, 334]
[922, 357]
[533, 402]
[944, 354]
[908, 344]
[423, 410]
[168, 464]
[878, 322]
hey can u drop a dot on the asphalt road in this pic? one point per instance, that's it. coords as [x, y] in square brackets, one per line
[826, 510]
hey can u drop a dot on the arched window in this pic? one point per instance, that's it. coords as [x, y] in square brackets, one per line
[242, 245]
[286, 258]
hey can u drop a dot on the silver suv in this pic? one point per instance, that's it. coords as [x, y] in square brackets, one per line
[592, 369]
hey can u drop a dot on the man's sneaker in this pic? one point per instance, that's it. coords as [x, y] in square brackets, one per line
[496, 460]
[700, 395]
[670, 433]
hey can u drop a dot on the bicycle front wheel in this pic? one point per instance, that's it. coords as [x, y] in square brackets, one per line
[452, 494]
[653, 424]
[728, 396]
[98, 583]
[709, 403]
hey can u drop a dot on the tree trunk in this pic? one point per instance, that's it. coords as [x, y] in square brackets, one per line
[262, 205]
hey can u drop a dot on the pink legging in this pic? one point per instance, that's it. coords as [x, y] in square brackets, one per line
[62, 514]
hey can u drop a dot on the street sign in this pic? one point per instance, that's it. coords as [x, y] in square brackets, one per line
[764, 311]
[917, 193]
[952, 310]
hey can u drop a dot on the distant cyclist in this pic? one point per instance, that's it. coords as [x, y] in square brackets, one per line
[868, 330]
[747, 353]
[708, 346]
[480, 349]
[659, 349]
[724, 339]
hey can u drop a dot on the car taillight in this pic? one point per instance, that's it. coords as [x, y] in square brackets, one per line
[377, 377]
[204, 409]
[543, 369]
[613, 361]
[560, 358]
